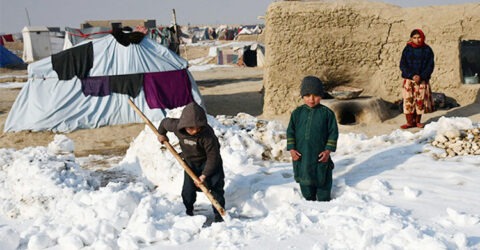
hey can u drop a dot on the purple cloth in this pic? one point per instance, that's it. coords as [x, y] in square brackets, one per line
[95, 86]
[167, 90]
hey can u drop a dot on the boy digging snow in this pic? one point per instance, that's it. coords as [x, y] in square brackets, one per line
[201, 152]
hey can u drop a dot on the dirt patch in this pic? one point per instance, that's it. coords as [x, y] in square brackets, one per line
[226, 91]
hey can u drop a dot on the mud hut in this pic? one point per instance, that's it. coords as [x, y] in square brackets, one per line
[359, 44]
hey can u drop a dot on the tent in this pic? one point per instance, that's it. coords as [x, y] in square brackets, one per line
[250, 54]
[36, 43]
[253, 55]
[104, 75]
[8, 59]
[75, 36]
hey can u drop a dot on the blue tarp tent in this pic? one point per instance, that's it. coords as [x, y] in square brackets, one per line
[8, 59]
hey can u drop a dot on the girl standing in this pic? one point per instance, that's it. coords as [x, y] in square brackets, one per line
[417, 65]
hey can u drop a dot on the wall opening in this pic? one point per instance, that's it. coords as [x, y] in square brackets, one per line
[470, 60]
[347, 118]
[348, 113]
[250, 57]
[359, 110]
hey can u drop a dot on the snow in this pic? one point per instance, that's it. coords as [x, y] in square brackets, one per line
[390, 192]
[12, 85]
[199, 65]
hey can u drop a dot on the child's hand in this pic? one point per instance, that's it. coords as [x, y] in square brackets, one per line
[202, 179]
[323, 156]
[416, 78]
[162, 138]
[295, 154]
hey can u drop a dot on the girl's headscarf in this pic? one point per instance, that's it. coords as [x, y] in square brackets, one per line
[422, 35]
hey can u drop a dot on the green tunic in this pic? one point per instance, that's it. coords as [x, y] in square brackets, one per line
[312, 131]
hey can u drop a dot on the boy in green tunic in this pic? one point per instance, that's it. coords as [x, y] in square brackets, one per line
[312, 135]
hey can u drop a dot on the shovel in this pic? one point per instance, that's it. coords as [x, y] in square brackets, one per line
[187, 169]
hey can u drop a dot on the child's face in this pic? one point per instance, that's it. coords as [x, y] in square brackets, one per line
[312, 100]
[417, 39]
[193, 130]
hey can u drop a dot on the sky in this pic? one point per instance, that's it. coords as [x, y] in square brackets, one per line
[68, 13]
[392, 191]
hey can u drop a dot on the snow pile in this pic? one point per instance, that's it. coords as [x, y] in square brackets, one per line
[390, 192]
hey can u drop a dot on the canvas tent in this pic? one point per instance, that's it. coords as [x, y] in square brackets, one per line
[254, 55]
[250, 54]
[36, 43]
[8, 59]
[46, 102]
[75, 36]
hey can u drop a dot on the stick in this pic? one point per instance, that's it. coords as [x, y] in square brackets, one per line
[177, 36]
[187, 169]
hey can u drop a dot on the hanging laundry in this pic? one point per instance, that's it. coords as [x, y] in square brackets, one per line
[167, 90]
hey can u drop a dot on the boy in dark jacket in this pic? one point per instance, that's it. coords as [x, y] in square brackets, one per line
[312, 134]
[201, 152]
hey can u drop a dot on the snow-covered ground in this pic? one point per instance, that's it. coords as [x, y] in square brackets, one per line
[390, 192]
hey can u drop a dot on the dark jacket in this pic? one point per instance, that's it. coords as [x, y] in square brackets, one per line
[417, 61]
[200, 149]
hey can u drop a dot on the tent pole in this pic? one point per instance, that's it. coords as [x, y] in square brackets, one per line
[174, 16]
[28, 17]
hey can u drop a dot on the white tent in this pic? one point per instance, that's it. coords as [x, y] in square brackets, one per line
[36, 43]
[48, 103]
[250, 54]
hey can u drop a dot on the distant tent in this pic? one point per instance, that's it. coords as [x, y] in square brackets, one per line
[9, 60]
[224, 32]
[36, 43]
[248, 54]
[167, 37]
[99, 77]
[254, 55]
[250, 29]
[227, 55]
[202, 34]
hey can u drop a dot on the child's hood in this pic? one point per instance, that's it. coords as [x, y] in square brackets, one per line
[193, 115]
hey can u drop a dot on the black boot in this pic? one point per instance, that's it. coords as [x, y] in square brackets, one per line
[218, 218]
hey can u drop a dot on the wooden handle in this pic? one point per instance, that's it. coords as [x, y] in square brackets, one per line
[187, 169]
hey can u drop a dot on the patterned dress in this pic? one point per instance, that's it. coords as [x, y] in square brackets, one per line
[417, 60]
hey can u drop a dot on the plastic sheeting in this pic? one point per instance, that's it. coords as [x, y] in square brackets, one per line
[47, 103]
[8, 59]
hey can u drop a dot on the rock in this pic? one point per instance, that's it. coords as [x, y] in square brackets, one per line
[452, 134]
[458, 142]
[441, 138]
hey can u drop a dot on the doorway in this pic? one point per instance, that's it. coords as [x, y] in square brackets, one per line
[470, 60]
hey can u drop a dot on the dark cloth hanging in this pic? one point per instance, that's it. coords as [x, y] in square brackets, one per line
[8, 37]
[76, 61]
[126, 84]
[96, 86]
[126, 38]
[167, 90]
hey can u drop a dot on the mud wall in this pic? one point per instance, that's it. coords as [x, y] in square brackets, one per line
[359, 44]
